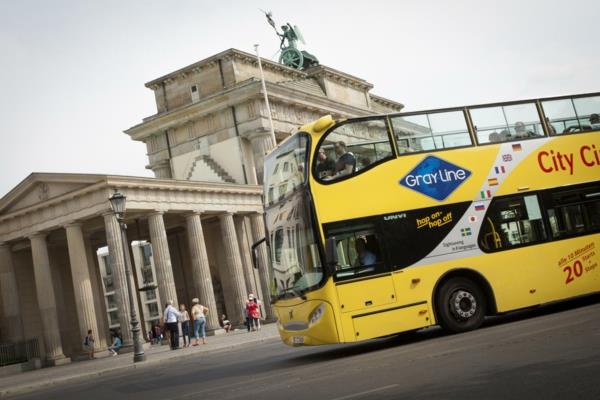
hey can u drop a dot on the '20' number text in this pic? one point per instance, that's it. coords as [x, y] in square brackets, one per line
[573, 272]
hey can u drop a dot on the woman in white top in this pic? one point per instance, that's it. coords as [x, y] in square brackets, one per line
[199, 313]
[184, 318]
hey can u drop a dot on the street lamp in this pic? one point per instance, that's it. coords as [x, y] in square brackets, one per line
[117, 203]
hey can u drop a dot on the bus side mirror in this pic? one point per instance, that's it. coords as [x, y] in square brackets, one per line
[254, 246]
[331, 256]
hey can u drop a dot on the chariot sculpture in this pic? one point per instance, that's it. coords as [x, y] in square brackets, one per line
[290, 55]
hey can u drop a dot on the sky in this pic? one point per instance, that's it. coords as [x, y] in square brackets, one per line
[73, 72]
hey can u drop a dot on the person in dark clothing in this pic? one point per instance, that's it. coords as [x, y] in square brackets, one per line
[171, 315]
[346, 162]
[325, 165]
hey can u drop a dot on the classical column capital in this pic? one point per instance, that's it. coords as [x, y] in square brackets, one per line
[193, 213]
[107, 213]
[72, 224]
[156, 212]
[264, 133]
[37, 235]
[226, 214]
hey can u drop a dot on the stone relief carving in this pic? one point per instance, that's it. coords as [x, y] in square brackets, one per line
[43, 192]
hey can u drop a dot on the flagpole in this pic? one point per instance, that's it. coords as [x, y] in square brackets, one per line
[264, 88]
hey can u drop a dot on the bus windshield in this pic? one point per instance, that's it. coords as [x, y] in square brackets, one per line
[285, 169]
[295, 261]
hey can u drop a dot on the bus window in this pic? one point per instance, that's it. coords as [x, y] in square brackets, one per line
[573, 114]
[432, 131]
[352, 147]
[503, 123]
[511, 222]
[358, 254]
[574, 211]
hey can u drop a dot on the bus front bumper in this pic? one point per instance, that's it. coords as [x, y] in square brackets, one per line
[310, 323]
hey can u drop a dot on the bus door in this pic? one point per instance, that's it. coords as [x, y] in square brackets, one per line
[362, 281]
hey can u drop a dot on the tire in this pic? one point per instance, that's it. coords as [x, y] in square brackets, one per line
[460, 305]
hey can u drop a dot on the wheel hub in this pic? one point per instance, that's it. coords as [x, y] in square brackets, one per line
[464, 304]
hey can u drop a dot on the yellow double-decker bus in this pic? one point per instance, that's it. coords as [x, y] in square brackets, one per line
[390, 223]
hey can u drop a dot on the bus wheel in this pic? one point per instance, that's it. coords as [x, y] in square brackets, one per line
[460, 305]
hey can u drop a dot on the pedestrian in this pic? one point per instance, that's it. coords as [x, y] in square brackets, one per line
[88, 344]
[117, 344]
[259, 311]
[225, 323]
[184, 319]
[158, 336]
[252, 313]
[199, 312]
[171, 315]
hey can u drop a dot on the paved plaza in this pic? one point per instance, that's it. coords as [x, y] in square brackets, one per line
[155, 355]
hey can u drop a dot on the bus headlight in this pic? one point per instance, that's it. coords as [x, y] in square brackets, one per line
[316, 315]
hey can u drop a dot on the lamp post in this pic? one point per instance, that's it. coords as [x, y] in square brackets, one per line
[117, 203]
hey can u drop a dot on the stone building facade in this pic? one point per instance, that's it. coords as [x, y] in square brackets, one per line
[201, 213]
[52, 224]
[212, 122]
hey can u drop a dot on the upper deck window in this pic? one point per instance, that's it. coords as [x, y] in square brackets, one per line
[352, 147]
[431, 131]
[503, 123]
[572, 115]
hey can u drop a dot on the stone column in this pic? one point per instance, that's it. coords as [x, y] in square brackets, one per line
[240, 229]
[235, 271]
[10, 295]
[98, 295]
[162, 259]
[261, 145]
[162, 169]
[248, 161]
[115, 250]
[82, 285]
[46, 300]
[258, 232]
[201, 269]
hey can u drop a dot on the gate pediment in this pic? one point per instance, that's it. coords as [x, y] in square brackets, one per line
[40, 187]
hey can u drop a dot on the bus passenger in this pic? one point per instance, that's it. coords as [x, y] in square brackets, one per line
[494, 137]
[404, 149]
[551, 129]
[365, 256]
[364, 162]
[595, 121]
[325, 165]
[521, 132]
[346, 162]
